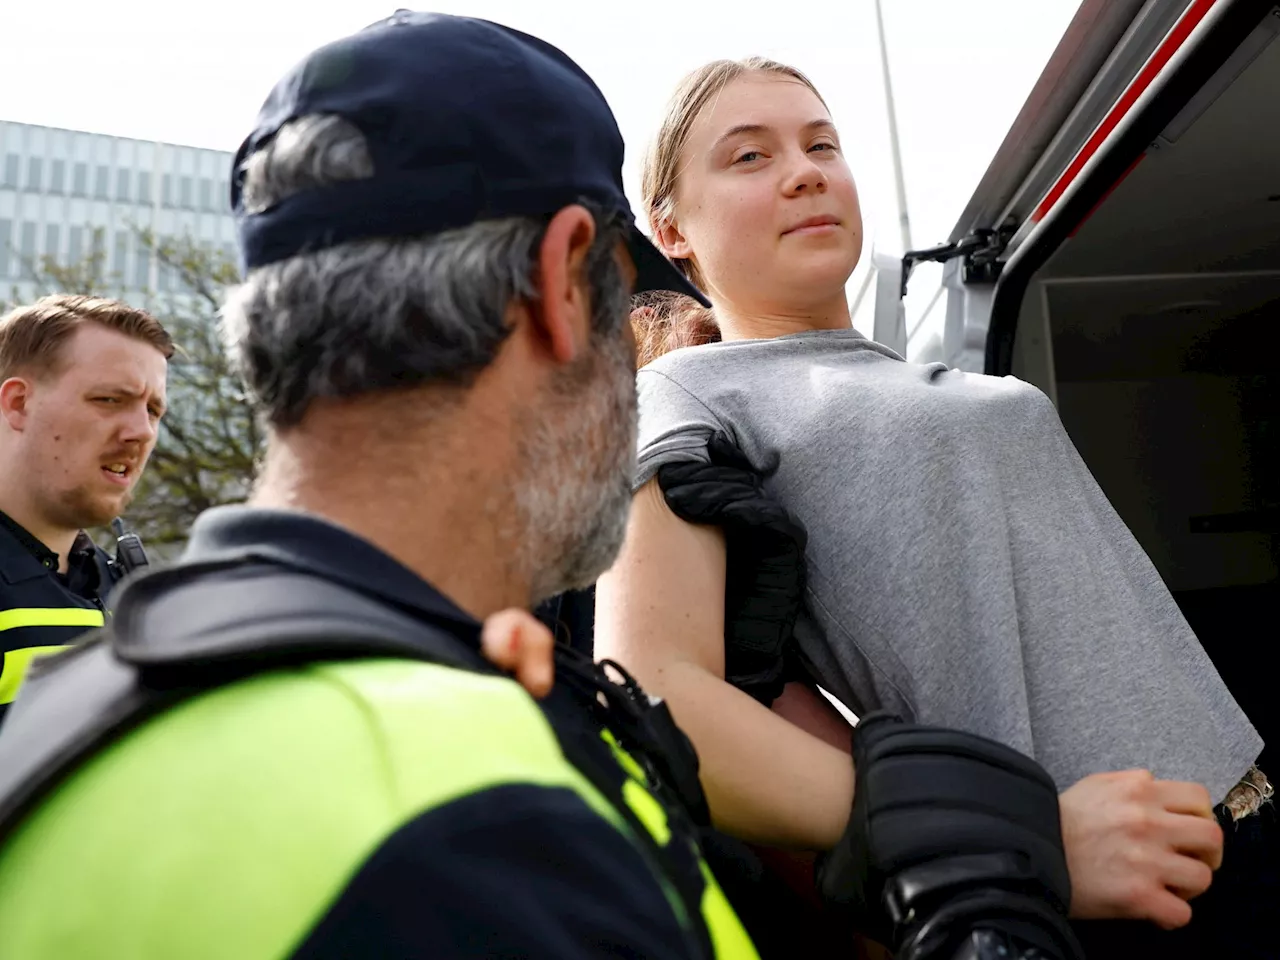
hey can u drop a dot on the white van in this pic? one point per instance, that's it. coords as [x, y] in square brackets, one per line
[1122, 253]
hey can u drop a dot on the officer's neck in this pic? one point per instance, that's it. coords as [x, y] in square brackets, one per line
[427, 494]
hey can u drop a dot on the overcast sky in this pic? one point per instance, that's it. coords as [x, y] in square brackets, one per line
[196, 72]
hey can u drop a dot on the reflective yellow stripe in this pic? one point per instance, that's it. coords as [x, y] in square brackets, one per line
[50, 617]
[648, 811]
[728, 936]
[15, 668]
[17, 661]
[635, 791]
[625, 760]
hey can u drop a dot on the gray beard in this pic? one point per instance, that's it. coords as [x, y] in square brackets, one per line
[579, 454]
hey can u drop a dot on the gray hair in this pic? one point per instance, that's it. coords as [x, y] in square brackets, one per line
[380, 314]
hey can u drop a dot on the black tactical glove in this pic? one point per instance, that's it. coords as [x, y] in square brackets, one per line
[764, 578]
[951, 836]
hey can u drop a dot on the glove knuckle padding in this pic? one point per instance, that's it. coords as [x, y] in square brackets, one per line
[764, 573]
[948, 830]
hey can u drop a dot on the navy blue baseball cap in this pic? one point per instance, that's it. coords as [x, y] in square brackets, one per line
[465, 120]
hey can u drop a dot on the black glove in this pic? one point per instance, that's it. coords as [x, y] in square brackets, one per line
[764, 578]
[993, 945]
[950, 834]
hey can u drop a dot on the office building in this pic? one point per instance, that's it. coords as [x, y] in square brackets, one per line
[63, 191]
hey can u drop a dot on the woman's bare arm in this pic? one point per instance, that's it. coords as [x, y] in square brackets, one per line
[660, 613]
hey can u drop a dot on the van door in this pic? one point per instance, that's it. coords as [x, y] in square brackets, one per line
[1143, 295]
[1102, 50]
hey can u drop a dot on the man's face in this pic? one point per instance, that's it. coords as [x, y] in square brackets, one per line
[579, 453]
[91, 423]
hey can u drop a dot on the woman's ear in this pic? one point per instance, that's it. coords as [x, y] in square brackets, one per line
[671, 241]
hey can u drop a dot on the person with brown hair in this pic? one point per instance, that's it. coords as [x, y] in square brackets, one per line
[963, 568]
[82, 391]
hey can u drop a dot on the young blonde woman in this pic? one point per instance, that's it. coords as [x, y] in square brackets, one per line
[963, 567]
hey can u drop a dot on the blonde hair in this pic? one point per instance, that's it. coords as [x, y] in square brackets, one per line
[666, 322]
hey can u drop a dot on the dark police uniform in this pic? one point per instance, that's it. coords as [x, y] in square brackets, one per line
[42, 610]
[358, 807]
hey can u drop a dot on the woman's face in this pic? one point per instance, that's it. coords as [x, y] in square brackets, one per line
[766, 205]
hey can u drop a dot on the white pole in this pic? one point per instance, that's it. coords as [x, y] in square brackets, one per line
[862, 290]
[904, 221]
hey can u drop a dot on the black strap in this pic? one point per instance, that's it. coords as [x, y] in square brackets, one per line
[644, 724]
[181, 625]
[53, 725]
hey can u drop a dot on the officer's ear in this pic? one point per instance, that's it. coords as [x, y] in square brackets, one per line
[561, 314]
[15, 401]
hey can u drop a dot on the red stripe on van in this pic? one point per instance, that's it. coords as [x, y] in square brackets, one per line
[1159, 60]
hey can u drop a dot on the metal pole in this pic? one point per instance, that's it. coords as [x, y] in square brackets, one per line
[862, 291]
[904, 221]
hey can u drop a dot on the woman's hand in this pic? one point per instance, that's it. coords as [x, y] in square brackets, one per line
[519, 643]
[1138, 847]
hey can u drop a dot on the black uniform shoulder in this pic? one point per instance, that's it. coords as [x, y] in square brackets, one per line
[39, 610]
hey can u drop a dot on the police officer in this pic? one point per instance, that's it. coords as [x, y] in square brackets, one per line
[298, 748]
[82, 388]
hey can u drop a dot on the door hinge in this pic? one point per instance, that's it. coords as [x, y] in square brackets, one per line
[980, 249]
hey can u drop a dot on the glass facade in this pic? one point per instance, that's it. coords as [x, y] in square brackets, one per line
[27, 252]
[141, 266]
[120, 258]
[65, 194]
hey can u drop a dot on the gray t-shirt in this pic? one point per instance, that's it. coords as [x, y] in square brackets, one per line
[965, 569]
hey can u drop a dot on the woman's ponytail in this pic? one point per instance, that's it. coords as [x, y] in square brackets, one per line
[668, 321]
